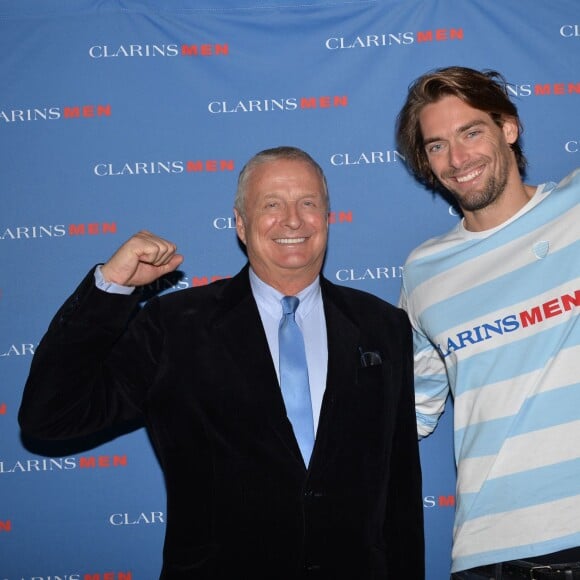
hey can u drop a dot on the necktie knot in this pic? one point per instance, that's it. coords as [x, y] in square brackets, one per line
[290, 304]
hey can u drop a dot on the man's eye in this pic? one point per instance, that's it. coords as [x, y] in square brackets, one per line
[434, 147]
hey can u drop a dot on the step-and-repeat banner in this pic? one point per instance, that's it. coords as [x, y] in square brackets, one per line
[121, 115]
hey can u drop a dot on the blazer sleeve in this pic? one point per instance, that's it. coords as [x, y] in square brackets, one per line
[82, 374]
[404, 531]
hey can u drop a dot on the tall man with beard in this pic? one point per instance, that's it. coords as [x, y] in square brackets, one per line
[494, 305]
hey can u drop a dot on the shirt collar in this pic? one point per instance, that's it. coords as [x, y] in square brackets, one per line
[268, 298]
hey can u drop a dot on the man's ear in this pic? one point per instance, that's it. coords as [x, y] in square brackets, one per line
[510, 129]
[240, 226]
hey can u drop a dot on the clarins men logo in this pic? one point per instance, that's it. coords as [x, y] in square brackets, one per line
[192, 166]
[109, 51]
[442, 501]
[55, 113]
[334, 217]
[544, 89]
[511, 322]
[570, 30]
[62, 464]
[136, 519]
[168, 284]
[278, 104]
[383, 39]
[354, 158]
[33, 232]
[370, 273]
[17, 350]
[81, 576]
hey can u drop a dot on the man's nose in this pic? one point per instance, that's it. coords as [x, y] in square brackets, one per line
[458, 154]
[292, 217]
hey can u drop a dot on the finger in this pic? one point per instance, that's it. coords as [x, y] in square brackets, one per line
[152, 249]
[172, 264]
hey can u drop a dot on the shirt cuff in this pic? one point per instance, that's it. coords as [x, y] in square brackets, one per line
[110, 287]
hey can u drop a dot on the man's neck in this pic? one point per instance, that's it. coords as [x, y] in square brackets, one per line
[501, 210]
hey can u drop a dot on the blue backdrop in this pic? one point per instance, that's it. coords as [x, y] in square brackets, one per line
[122, 115]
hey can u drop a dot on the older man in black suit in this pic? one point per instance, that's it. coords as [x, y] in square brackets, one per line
[326, 486]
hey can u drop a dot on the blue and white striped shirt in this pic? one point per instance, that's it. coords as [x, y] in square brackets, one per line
[495, 318]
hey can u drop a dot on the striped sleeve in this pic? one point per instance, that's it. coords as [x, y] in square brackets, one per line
[431, 383]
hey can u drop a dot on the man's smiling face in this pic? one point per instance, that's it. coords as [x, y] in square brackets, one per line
[285, 222]
[468, 152]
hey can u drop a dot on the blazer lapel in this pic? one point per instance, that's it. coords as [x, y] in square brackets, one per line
[343, 340]
[242, 334]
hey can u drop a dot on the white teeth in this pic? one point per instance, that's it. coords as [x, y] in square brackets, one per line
[469, 176]
[290, 240]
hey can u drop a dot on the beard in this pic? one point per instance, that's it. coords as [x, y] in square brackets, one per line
[478, 199]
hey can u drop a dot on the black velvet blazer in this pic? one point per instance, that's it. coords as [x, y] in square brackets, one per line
[196, 366]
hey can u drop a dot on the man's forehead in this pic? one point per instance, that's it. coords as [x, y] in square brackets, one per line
[454, 115]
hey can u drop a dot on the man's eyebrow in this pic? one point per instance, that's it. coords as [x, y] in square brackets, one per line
[431, 140]
[459, 130]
